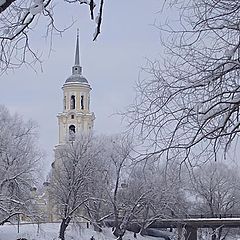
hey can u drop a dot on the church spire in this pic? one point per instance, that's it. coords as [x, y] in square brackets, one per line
[77, 69]
[77, 61]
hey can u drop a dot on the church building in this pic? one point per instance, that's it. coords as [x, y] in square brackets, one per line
[75, 118]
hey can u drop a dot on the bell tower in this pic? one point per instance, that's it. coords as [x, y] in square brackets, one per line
[76, 116]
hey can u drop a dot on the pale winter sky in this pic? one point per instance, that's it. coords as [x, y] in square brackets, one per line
[111, 65]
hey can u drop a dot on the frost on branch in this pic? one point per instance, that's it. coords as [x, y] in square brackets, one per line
[84, 1]
[37, 7]
[98, 21]
[18, 17]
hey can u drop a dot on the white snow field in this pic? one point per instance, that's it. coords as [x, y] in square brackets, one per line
[49, 231]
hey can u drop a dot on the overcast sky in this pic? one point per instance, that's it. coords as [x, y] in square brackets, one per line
[111, 65]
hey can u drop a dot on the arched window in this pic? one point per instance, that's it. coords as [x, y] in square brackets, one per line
[72, 131]
[82, 102]
[72, 105]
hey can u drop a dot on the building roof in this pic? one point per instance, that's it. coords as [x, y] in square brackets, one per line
[75, 78]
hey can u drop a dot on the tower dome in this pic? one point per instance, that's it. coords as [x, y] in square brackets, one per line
[76, 78]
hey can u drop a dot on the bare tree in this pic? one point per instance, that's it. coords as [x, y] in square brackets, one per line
[121, 200]
[116, 203]
[19, 17]
[97, 211]
[19, 164]
[118, 153]
[188, 104]
[216, 192]
[135, 192]
[163, 194]
[72, 175]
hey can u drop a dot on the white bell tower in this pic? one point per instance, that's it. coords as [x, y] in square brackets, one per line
[76, 116]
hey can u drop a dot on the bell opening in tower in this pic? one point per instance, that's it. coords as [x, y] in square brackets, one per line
[72, 102]
[82, 103]
[72, 131]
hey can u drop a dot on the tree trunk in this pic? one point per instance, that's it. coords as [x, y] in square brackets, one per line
[64, 224]
[97, 227]
[118, 232]
[142, 230]
[214, 235]
[220, 233]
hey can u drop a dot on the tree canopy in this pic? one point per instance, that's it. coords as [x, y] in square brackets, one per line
[20, 17]
[19, 165]
[188, 104]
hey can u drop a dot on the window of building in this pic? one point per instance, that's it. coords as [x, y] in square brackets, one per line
[72, 105]
[72, 131]
[72, 116]
[82, 103]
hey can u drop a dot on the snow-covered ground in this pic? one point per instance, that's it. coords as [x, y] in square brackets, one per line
[49, 231]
